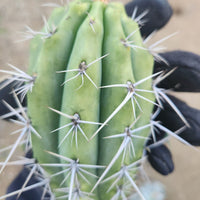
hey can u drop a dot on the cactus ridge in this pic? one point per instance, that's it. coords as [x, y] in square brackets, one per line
[91, 94]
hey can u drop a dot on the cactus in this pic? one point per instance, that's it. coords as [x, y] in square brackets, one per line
[90, 49]
[90, 102]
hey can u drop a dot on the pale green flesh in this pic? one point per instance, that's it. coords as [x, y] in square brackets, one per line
[74, 42]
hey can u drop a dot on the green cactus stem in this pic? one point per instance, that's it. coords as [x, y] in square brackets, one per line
[89, 49]
[90, 104]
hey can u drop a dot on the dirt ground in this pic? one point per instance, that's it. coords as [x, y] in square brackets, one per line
[184, 183]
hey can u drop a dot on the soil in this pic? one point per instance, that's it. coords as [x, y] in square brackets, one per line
[184, 183]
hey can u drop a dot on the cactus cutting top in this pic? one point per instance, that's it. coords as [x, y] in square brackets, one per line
[91, 101]
[92, 81]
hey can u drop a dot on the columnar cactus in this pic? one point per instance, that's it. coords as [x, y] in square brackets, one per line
[91, 101]
[91, 49]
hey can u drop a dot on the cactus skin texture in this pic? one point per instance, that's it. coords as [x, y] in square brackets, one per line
[89, 49]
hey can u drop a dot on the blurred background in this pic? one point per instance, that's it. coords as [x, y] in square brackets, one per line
[184, 183]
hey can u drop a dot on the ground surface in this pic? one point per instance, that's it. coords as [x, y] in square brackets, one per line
[184, 183]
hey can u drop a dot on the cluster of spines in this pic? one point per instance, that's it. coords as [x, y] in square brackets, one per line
[75, 169]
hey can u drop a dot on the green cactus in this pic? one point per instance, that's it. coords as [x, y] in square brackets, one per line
[91, 100]
[91, 47]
